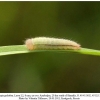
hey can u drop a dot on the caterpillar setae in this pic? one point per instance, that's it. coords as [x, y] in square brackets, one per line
[51, 43]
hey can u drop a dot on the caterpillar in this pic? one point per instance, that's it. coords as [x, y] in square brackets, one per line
[51, 43]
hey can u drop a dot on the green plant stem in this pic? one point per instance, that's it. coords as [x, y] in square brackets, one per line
[17, 49]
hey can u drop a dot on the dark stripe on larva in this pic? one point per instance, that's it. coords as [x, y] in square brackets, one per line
[56, 45]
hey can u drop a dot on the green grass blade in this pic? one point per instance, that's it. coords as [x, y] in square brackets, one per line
[89, 51]
[18, 49]
[13, 49]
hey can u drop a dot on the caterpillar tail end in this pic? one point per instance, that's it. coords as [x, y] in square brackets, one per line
[77, 47]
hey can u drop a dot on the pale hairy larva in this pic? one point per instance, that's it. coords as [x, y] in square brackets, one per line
[39, 43]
